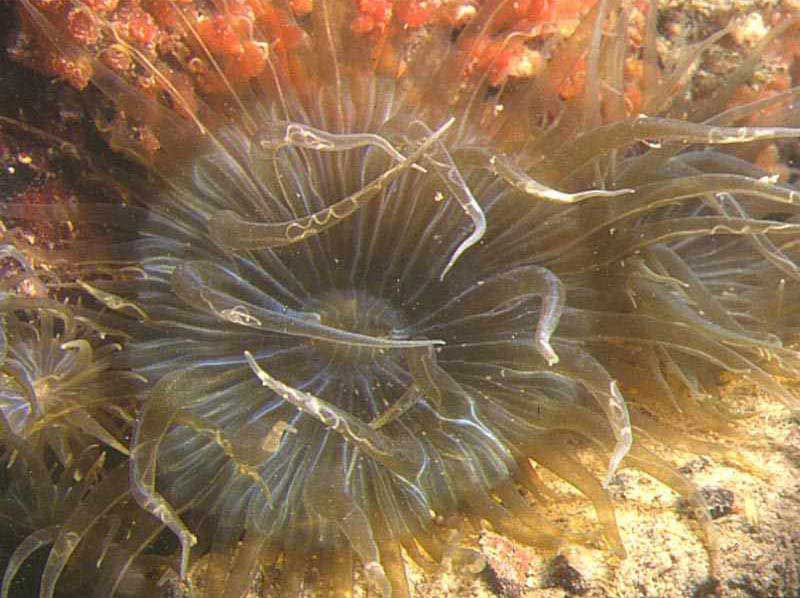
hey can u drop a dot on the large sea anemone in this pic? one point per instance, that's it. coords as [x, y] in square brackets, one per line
[383, 277]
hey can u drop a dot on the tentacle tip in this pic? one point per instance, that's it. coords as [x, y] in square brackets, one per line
[187, 540]
[620, 450]
[547, 352]
[448, 267]
[257, 370]
[619, 192]
[472, 240]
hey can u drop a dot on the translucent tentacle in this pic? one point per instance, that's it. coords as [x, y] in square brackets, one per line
[451, 176]
[113, 301]
[553, 453]
[728, 86]
[342, 583]
[629, 241]
[657, 95]
[694, 287]
[39, 538]
[549, 532]
[654, 195]
[739, 112]
[653, 465]
[616, 135]
[651, 233]
[232, 232]
[514, 285]
[329, 493]
[101, 500]
[88, 424]
[284, 134]
[213, 289]
[663, 300]
[87, 468]
[605, 327]
[528, 185]
[726, 205]
[229, 447]
[83, 354]
[582, 366]
[406, 401]
[3, 341]
[159, 414]
[372, 442]
[504, 522]
[429, 378]
[530, 480]
[394, 569]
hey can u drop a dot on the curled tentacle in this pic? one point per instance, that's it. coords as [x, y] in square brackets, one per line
[370, 440]
[508, 289]
[151, 429]
[523, 182]
[231, 231]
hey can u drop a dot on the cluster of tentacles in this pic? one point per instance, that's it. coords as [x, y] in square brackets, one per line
[365, 314]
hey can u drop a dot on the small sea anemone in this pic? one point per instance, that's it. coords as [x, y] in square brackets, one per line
[53, 389]
[38, 500]
[58, 424]
[54, 386]
[84, 511]
[387, 279]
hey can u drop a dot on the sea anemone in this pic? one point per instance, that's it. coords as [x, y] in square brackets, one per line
[389, 277]
[58, 424]
[39, 501]
[53, 389]
[54, 373]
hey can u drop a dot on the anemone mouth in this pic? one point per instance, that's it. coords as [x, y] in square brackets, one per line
[360, 312]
